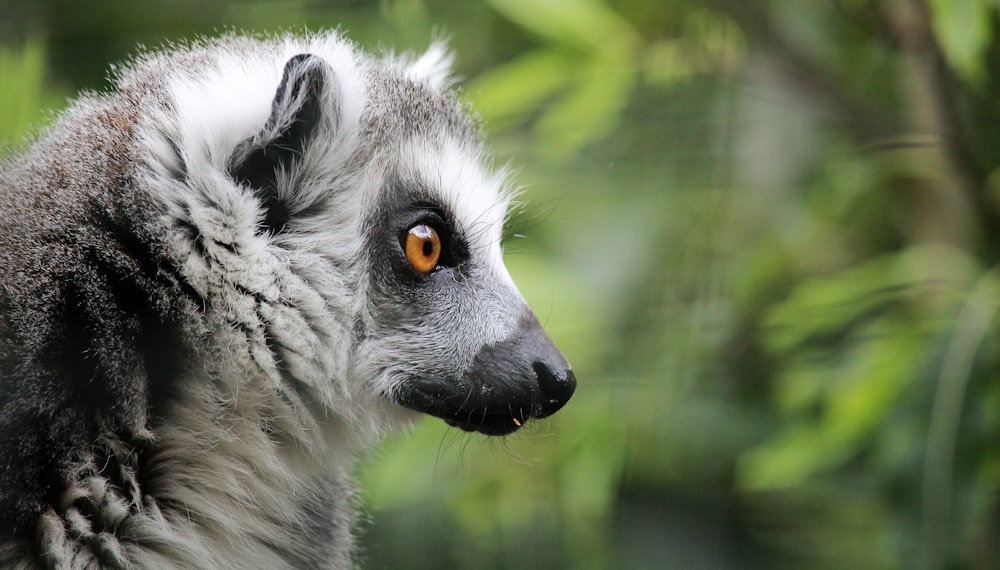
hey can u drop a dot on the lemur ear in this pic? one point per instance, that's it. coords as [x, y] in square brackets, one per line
[266, 161]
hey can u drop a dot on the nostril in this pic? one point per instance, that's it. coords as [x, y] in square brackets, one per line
[556, 386]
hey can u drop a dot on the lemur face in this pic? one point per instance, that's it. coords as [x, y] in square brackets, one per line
[440, 327]
[461, 342]
[450, 334]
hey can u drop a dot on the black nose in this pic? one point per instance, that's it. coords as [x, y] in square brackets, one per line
[556, 384]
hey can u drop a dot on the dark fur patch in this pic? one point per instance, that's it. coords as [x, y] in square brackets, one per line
[102, 307]
[296, 112]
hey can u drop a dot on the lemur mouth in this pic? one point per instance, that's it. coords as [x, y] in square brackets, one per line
[488, 424]
[473, 416]
[521, 398]
[550, 392]
[493, 426]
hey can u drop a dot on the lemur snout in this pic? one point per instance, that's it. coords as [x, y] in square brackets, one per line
[555, 381]
[527, 376]
[520, 378]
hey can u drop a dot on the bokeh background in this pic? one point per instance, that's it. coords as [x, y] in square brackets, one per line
[765, 232]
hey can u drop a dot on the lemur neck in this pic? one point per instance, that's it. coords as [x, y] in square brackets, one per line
[241, 471]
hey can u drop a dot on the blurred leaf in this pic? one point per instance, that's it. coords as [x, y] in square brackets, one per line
[579, 101]
[789, 459]
[710, 43]
[823, 307]
[408, 20]
[857, 395]
[585, 75]
[964, 29]
[22, 74]
[852, 343]
[666, 61]
[873, 378]
[589, 25]
[510, 92]
[588, 112]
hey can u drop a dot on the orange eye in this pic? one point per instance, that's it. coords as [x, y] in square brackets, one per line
[423, 248]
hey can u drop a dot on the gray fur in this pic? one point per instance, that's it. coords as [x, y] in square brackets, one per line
[206, 312]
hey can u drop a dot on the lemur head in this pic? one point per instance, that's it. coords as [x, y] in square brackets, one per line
[365, 190]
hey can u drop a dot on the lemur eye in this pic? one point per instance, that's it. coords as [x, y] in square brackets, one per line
[423, 248]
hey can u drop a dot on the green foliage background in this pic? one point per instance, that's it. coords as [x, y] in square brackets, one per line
[766, 233]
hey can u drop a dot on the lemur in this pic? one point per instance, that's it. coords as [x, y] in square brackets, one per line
[226, 277]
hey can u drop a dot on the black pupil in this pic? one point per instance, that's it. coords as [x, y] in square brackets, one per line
[428, 248]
